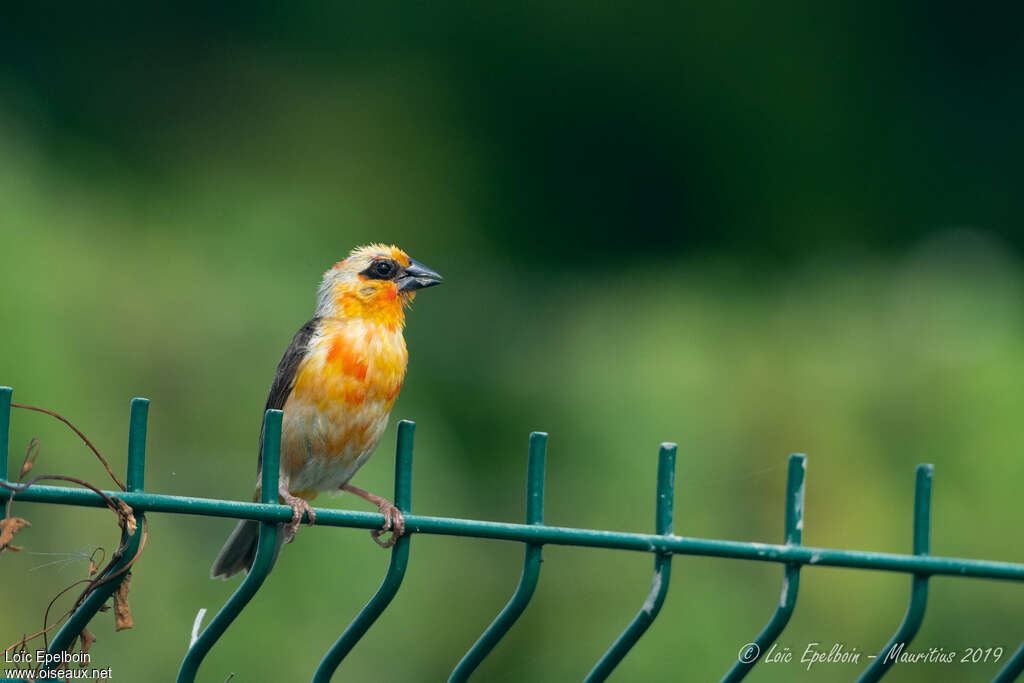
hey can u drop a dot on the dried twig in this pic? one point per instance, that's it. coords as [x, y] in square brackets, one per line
[25, 639]
[96, 576]
[30, 458]
[77, 431]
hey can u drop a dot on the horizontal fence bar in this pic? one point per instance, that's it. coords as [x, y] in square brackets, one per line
[503, 531]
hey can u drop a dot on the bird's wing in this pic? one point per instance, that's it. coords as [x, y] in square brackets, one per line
[284, 378]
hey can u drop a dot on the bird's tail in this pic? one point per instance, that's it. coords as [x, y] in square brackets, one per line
[239, 551]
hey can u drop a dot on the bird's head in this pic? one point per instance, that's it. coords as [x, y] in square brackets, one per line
[374, 282]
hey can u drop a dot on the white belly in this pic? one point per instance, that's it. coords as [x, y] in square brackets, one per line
[313, 456]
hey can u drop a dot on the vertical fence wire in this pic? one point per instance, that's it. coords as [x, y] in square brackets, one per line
[531, 566]
[78, 620]
[266, 550]
[5, 432]
[1014, 667]
[396, 568]
[662, 570]
[794, 525]
[881, 664]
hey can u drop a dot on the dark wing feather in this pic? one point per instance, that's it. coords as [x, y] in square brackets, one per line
[284, 378]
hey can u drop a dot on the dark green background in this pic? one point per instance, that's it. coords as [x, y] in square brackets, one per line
[749, 229]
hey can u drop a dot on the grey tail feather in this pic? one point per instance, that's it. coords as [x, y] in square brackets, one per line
[239, 551]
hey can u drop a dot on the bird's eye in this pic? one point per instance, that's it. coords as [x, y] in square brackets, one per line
[383, 269]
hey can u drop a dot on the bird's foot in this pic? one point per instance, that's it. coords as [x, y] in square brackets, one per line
[299, 507]
[393, 519]
[393, 522]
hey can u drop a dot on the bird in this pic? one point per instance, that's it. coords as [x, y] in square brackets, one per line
[336, 385]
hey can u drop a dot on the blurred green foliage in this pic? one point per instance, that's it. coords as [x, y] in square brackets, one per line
[750, 229]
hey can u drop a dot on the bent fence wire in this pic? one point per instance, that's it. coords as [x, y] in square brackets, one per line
[534, 534]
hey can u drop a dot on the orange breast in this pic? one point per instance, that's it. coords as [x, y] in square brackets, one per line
[339, 405]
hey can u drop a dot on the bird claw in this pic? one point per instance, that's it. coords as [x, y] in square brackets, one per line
[393, 522]
[299, 507]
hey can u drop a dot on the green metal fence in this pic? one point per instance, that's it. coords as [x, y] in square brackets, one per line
[534, 534]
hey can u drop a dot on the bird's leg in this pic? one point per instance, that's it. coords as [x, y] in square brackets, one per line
[393, 519]
[299, 506]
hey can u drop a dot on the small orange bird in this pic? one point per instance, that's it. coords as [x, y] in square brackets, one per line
[336, 384]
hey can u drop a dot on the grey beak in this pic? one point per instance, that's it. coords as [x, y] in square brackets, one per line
[417, 276]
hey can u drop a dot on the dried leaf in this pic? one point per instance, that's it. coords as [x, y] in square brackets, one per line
[122, 612]
[127, 516]
[8, 527]
[87, 640]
